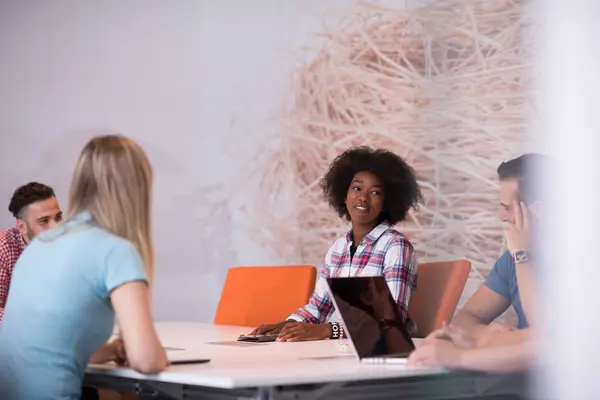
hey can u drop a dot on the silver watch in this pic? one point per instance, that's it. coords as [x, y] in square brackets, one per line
[521, 257]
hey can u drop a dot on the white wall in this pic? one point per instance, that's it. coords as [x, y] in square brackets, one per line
[195, 82]
[199, 83]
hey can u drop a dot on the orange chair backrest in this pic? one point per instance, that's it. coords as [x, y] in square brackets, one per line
[253, 296]
[439, 287]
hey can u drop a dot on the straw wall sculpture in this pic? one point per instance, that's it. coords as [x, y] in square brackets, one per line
[447, 85]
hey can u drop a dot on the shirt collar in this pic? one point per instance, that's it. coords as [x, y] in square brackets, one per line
[372, 236]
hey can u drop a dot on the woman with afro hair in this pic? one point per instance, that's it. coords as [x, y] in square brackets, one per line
[374, 190]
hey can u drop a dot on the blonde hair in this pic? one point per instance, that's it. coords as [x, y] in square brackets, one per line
[113, 182]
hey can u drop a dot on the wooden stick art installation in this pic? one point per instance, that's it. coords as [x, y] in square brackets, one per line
[447, 85]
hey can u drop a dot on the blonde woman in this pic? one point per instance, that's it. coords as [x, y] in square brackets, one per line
[71, 281]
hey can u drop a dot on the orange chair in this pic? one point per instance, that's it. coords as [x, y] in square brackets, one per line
[253, 296]
[439, 286]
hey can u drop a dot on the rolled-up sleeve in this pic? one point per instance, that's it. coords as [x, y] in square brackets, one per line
[319, 307]
[400, 272]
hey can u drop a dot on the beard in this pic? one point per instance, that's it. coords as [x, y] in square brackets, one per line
[30, 233]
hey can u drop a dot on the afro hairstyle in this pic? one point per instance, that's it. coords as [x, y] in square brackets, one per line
[401, 189]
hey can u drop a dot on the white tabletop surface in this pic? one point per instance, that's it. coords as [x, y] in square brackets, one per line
[237, 365]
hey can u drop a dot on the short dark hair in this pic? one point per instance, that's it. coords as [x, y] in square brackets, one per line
[528, 171]
[28, 194]
[401, 189]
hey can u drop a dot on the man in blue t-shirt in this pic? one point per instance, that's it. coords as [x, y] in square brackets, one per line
[518, 195]
[473, 340]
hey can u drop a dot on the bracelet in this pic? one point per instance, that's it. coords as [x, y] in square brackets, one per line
[335, 330]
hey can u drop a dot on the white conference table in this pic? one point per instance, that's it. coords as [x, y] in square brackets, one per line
[317, 369]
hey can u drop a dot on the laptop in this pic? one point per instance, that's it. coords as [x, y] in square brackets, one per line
[371, 320]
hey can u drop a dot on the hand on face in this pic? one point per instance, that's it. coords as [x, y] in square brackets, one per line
[302, 331]
[436, 353]
[517, 234]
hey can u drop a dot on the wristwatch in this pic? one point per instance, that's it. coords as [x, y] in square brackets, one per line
[521, 257]
[386, 324]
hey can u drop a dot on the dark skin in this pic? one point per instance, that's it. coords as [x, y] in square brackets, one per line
[364, 201]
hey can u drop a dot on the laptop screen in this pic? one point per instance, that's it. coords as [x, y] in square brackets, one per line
[370, 316]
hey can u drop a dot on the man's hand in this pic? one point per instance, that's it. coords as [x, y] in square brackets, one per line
[301, 331]
[493, 333]
[490, 335]
[436, 353]
[269, 329]
[517, 234]
[459, 337]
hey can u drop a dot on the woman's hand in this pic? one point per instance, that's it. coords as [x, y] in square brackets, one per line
[269, 329]
[457, 336]
[120, 353]
[301, 331]
[110, 351]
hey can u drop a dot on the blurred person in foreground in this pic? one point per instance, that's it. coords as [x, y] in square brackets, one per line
[460, 345]
[374, 190]
[35, 209]
[71, 280]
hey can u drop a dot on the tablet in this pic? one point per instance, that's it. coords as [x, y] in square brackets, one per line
[257, 338]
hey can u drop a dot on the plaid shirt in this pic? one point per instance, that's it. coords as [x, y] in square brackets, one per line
[384, 251]
[11, 247]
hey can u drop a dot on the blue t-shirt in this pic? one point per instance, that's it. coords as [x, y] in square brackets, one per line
[58, 311]
[502, 279]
